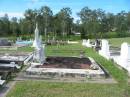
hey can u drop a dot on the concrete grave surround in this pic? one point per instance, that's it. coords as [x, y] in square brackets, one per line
[33, 71]
[105, 49]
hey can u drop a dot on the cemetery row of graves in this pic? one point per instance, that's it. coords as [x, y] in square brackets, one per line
[89, 61]
[120, 56]
[41, 88]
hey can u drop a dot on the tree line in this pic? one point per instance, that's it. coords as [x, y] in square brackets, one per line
[92, 23]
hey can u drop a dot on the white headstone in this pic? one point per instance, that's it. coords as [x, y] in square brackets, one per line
[88, 43]
[84, 42]
[105, 49]
[124, 59]
[125, 51]
[36, 42]
[39, 54]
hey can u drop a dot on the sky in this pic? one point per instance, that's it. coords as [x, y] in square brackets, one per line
[16, 8]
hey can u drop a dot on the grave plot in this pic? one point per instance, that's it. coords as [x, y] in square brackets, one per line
[11, 63]
[61, 67]
[14, 61]
[18, 58]
[66, 67]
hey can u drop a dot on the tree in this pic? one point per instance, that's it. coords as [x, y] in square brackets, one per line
[121, 23]
[128, 21]
[90, 21]
[14, 26]
[65, 20]
[5, 25]
[46, 16]
[30, 19]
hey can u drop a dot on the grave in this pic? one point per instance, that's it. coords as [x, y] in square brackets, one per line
[88, 43]
[14, 60]
[105, 49]
[84, 42]
[97, 45]
[21, 43]
[61, 67]
[124, 58]
[4, 42]
[39, 54]
[66, 67]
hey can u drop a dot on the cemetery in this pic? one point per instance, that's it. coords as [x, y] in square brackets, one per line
[76, 66]
[121, 57]
[61, 67]
[64, 48]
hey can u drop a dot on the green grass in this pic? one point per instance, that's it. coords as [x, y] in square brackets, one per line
[50, 89]
[25, 49]
[118, 41]
[54, 89]
[20, 49]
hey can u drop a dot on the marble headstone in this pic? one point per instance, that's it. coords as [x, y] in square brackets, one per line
[105, 49]
[88, 43]
[84, 42]
[36, 42]
[124, 59]
[39, 54]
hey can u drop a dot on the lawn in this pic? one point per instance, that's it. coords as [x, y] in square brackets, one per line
[118, 41]
[54, 89]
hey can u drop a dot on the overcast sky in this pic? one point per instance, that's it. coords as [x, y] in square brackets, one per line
[16, 8]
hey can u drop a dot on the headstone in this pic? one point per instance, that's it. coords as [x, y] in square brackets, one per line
[84, 42]
[39, 54]
[124, 59]
[97, 45]
[125, 51]
[88, 43]
[36, 42]
[105, 49]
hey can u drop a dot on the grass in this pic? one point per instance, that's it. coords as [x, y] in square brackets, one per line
[25, 49]
[48, 89]
[20, 49]
[54, 89]
[118, 41]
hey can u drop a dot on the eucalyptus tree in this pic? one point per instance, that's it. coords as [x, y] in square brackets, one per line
[5, 25]
[30, 19]
[121, 23]
[88, 18]
[14, 26]
[65, 20]
[128, 21]
[45, 14]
